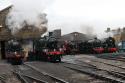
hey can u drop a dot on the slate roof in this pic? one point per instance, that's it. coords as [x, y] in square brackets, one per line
[75, 36]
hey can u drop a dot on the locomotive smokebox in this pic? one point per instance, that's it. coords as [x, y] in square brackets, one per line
[50, 34]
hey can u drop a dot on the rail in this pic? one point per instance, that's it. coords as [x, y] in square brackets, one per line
[53, 77]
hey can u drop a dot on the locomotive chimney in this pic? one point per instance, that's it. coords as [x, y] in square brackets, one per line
[50, 34]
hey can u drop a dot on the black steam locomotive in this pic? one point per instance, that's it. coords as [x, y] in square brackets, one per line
[14, 52]
[97, 46]
[46, 49]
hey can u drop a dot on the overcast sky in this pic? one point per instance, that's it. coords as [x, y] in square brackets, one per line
[75, 15]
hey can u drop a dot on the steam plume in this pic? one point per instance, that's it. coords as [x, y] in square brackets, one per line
[27, 13]
[87, 29]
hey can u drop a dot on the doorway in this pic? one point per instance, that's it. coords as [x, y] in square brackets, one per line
[2, 49]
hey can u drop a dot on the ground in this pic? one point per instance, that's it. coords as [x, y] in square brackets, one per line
[6, 73]
[61, 71]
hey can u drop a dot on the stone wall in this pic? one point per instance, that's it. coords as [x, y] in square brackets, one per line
[5, 33]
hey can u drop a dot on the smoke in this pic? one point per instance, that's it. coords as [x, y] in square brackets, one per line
[27, 45]
[27, 13]
[87, 29]
[104, 35]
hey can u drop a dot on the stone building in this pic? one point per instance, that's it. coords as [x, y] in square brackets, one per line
[5, 33]
[118, 34]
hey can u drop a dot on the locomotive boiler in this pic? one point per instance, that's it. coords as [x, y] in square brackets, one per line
[91, 46]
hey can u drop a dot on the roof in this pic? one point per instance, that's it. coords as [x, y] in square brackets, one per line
[5, 8]
[3, 14]
[5, 4]
[5, 34]
[75, 36]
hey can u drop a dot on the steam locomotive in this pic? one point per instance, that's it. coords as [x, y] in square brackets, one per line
[14, 52]
[97, 46]
[46, 49]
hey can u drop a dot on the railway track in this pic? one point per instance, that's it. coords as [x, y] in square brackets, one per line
[110, 76]
[99, 61]
[80, 63]
[115, 58]
[58, 70]
[28, 79]
[2, 79]
[113, 67]
[93, 70]
[30, 74]
[112, 56]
